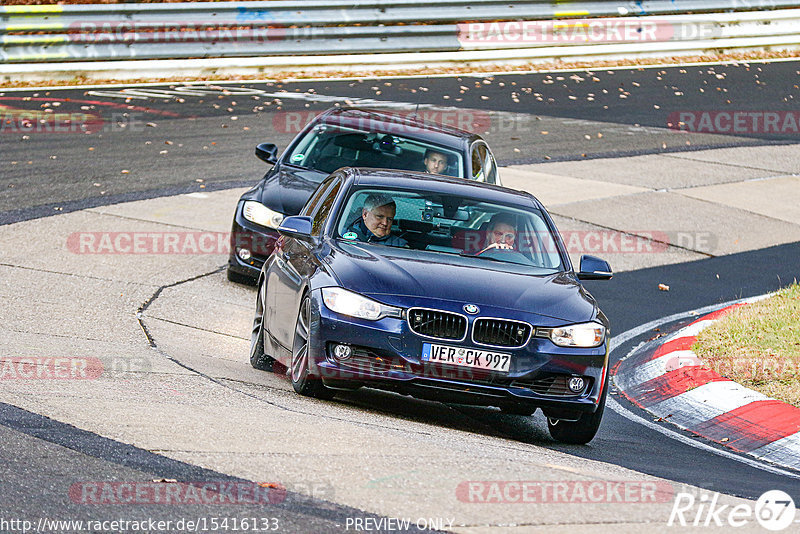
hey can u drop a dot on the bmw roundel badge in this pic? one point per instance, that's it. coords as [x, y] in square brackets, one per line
[471, 309]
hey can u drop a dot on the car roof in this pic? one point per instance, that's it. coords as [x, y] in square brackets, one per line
[437, 183]
[410, 125]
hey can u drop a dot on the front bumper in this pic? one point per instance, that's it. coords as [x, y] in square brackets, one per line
[386, 354]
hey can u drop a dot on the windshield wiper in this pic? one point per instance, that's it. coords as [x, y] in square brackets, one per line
[465, 254]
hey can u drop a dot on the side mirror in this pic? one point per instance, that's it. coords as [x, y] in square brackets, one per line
[267, 152]
[593, 268]
[298, 226]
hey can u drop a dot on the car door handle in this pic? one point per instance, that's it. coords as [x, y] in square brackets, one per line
[287, 255]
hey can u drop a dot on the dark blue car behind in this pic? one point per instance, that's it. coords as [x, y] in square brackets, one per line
[340, 138]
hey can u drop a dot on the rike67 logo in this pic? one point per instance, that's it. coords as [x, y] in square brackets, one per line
[774, 511]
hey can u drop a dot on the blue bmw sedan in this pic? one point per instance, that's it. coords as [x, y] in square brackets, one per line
[435, 287]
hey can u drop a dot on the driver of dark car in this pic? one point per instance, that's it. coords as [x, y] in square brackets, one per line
[375, 223]
[435, 162]
[501, 233]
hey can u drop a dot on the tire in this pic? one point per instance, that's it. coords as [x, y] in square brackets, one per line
[238, 278]
[302, 381]
[258, 359]
[582, 431]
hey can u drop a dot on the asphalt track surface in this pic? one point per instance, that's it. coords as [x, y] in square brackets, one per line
[41, 457]
[527, 118]
[206, 148]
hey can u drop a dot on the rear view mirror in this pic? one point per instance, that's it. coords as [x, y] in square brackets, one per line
[387, 144]
[430, 213]
[593, 268]
[267, 152]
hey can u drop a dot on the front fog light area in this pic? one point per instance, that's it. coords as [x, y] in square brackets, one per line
[342, 352]
[576, 384]
[244, 254]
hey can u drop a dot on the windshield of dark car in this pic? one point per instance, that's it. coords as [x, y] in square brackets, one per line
[449, 224]
[326, 148]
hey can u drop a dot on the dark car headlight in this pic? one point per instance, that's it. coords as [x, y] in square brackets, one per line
[584, 335]
[349, 303]
[260, 214]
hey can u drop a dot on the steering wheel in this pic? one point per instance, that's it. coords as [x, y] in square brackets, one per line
[496, 246]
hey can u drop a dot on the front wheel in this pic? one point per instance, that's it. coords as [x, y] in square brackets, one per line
[302, 381]
[258, 359]
[584, 429]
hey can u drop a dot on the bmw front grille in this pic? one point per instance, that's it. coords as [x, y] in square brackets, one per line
[437, 324]
[501, 332]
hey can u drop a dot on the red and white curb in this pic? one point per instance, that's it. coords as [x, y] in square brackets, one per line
[672, 384]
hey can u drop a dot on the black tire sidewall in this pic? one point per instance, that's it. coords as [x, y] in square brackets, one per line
[584, 429]
[258, 358]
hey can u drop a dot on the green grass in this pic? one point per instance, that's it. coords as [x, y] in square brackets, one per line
[758, 345]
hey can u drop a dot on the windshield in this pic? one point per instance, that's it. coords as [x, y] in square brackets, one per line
[449, 224]
[327, 148]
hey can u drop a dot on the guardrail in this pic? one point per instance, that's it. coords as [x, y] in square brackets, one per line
[499, 29]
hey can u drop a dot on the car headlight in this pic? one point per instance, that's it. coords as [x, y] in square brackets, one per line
[260, 214]
[352, 304]
[586, 335]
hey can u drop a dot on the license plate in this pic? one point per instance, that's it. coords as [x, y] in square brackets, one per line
[466, 357]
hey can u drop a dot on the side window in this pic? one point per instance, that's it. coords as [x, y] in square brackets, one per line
[477, 168]
[537, 242]
[324, 209]
[484, 168]
[316, 196]
[490, 166]
[477, 164]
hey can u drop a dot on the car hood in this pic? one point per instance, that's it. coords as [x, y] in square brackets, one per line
[286, 189]
[376, 270]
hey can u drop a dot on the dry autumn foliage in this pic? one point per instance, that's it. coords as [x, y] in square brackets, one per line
[758, 345]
